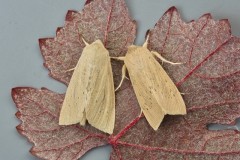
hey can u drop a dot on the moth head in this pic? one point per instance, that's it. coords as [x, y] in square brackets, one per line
[96, 46]
[132, 49]
[98, 42]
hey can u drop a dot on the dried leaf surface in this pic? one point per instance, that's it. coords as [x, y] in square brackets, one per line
[39, 111]
[107, 20]
[209, 78]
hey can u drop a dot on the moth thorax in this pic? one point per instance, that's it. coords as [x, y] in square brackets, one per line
[133, 48]
[97, 47]
[136, 50]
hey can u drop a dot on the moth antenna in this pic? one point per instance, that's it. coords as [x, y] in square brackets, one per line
[146, 42]
[72, 69]
[118, 58]
[85, 42]
[163, 59]
[123, 76]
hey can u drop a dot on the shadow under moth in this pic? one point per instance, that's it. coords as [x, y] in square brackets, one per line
[156, 93]
[90, 94]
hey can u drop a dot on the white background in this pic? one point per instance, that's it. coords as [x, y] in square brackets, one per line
[23, 22]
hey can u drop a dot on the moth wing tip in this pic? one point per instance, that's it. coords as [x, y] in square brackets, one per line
[109, 132]
[155, 126]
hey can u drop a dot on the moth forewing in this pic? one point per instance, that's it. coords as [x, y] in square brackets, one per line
[102, 112]
[71, 113]
[174, 103]
[156, 93]
[90, 95]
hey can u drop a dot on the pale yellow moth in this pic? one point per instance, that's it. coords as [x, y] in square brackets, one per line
[155, 91]
[90, 94]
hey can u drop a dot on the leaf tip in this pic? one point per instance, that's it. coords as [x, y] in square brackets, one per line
[88, 1]
[172, 9]
[69, 15]
[58, 30]
[19, 128]
[32, 151]
[18, 114]
[42, 41]
[226, 21]
[207, 15]
[15, 92]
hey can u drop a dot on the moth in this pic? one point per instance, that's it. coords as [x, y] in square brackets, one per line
[90, 95]
[155, 91]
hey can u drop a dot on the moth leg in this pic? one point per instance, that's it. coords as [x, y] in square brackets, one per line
[85, 42]
[163, 59]
[123, 76]
[118, 58]
[72, 69]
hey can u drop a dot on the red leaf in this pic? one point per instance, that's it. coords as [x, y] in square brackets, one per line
[210, 55]
[209, 78]
[88, 1]
[39, 112]
[105, 20]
